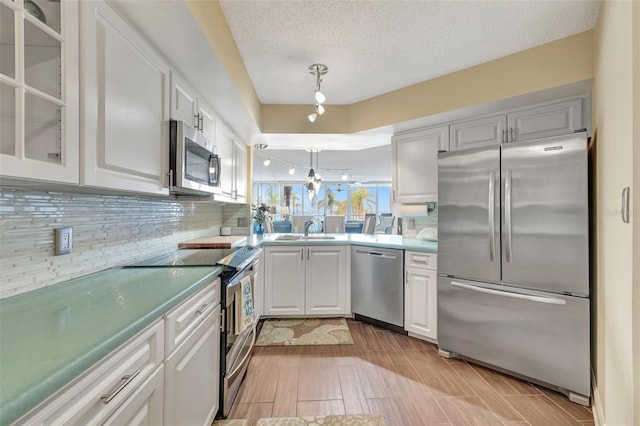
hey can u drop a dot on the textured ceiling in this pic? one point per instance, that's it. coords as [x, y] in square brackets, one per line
[374, 47]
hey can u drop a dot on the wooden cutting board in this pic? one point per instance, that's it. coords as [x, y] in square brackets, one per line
[213, 243]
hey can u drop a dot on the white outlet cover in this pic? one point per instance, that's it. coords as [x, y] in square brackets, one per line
[64, 241]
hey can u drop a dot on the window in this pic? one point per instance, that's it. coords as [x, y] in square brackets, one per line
[333, 199]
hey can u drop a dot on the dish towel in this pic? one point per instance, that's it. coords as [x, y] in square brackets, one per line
[247, 315]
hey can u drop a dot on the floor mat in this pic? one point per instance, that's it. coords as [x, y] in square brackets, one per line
[304, 331]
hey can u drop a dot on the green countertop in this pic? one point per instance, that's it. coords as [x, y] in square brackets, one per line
[376, 240]
[51, 335]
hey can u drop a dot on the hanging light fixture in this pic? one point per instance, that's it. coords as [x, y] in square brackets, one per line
[318, 70]
[308, 184]
[267, 162]
[292, 170]
[317, 181]
[344, 175]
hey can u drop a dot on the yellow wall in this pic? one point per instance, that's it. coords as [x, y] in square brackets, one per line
[554, 64]
[613, 125]
[214, 25]
[636, 197]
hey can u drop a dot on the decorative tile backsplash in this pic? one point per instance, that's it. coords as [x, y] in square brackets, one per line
[107, 231]
[415, 218]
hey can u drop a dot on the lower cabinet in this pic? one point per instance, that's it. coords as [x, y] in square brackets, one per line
[191, 376]
[144, 406]
[305, 280]
[421, 295]
[113, 383]
[145, 381]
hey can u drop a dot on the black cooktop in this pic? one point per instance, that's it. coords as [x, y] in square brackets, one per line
[233, 259]
[187, 258]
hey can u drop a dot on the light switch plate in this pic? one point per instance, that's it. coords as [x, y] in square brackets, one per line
[243, 222]
[64, 241]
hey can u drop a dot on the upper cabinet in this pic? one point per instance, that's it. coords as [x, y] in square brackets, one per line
[125, 87]
[478, 132]
[39, 90]
[233, 174]
[546, 120]
[529, 123]
[187, 106]
[415, 164]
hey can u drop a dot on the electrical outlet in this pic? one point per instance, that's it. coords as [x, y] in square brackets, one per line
[243, 222]
[64, 241]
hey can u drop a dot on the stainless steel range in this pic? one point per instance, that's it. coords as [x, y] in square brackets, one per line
[238, 329]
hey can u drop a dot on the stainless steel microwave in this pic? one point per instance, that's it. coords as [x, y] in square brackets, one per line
[193, 167]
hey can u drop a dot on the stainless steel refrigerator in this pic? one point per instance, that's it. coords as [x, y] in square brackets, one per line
[513, 259]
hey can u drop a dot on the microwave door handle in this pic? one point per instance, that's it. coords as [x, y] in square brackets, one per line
[213, 166]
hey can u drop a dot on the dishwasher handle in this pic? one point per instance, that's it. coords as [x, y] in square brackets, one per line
[377, 254]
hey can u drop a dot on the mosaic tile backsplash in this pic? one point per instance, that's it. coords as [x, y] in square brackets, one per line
[107, 231]
[415, 218]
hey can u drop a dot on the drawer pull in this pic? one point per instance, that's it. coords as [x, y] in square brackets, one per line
[423, 262]
[126, 379]
[203, 308]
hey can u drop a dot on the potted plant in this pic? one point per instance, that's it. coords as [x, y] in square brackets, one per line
[260, 215]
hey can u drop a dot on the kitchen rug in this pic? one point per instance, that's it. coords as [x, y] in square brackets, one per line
[342, 420]
[304, 331]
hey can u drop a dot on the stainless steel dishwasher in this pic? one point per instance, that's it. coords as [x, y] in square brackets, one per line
[377, 290]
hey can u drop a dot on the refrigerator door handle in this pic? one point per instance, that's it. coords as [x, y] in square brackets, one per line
[624, 210]
[507, 214]
[492, 225]
[529, 297]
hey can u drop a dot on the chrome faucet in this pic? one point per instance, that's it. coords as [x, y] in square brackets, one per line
[307, 225]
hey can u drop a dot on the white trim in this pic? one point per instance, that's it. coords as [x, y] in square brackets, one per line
[596, 402]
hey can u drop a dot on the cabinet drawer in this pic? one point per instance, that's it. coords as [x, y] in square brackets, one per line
[84, 401]
[182, 320]
[421, 260]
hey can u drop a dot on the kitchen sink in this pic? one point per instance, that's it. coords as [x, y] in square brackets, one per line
[288, 237]
[292, 237]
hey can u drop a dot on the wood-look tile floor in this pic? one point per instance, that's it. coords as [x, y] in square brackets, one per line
[398, 376]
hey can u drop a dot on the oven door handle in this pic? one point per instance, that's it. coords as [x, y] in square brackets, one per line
[239, 366]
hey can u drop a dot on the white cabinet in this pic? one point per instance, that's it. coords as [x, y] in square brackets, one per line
[258, 288]
[326, 280]
[145, 405]
[415, 164]
[39, 100]
[478, 132]
[421, 295]
[192, 365]
[240, 166]
[182, 320]
[125, 89]
[192, 376]
[284, 280]
[305, 280]
[187, 106]
[121, 373]
[547, 120]
[528, 123]
[233, 174]
[141, 383]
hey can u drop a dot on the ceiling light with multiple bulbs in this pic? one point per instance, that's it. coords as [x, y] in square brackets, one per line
[318, 70]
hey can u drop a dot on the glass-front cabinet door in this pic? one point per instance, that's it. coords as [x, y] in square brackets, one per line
[39, 90]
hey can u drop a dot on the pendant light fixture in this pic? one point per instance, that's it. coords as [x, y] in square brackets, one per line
[318, 70]
[310, 178]
[313, 182]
